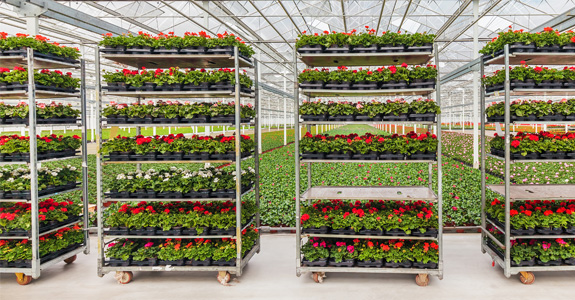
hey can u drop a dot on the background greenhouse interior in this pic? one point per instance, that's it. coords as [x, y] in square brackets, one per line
[393, 133]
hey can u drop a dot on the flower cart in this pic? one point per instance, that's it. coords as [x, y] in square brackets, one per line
[522, 231]
[334, 234]
[36, 231]
[176, 219]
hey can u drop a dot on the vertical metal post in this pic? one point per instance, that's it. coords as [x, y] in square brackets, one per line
[238, 165]
[33, 164]
[297, 166]
[85, 196]
[482, 153]
[439, 169]
[476, 81]
[256, 152]
[507, 167]
[308, 165]
[99, 167]
[258, 74]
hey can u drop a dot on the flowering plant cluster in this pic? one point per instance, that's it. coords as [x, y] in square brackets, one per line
[16, 78]
[16, 216]
[17, 181]
[162, 111]
[371, 253]
[532, 146]
[200, 41]
[14, 146]
[204, 217]
[369, 108]
[537, 215]
[174, 147]
[549, 40]
[396, 218]
[152, 183]
[18, 253]
[525, 76]
[533, 110]
[367, 39]
[13, 45]
[53, 112]
[180, 252]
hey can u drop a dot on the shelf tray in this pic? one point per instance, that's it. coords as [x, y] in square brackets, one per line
[530, 160]
[42, 197]
[364, 161]
[39, 95]
[399, 193]
[165, 61]
[370, 270]
[516, 270]
[39, 161]
[534, 123]
[114, 236]
[535, 58]
[175, 199]
[169, 125]
[28, 271]
[365, 59]
[365, 123]
[178, 94]
[536, 191]
[39, 63]
[368, 93]
[172, 161]
[54, 126]
[535, 92]
[375, 237]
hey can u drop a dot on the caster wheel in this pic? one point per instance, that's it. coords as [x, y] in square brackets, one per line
[224, 277]
[422, 279]
[70, 260]
[124, 277]
[23, 279]
[527, 277]
[318, 277]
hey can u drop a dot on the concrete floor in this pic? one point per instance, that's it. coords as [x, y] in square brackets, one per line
[271, 275]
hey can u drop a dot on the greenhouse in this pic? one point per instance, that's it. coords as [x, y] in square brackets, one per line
[270, 149]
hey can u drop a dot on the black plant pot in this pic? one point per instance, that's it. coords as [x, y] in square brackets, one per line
[419, 155]
[403, 264]
[391, 156]
[427, 117]
[533, 155]
[146, 262]
[322, 262]
[338, 49]
[391, 48]
[367, 156]
[139, 50]
[570, 230]
[348, 118]
[309, 49]
[338, 155]
[370, 263]
[519, 84]
[394, 85]
[118, 231]
[421, 265]
[422, 84]
[193, 50]
[164, 50]
[218, 231]
[520, 232]
[315, 230]
[312, 156]
[550, 231]
[551, 263]
[524, 263]
[348, 263]
[554, 117]
[312, 85]
[429, 232]
[225, 50]
[199, 263]
[365, 85]
[114, 262]
[554, 155]
[570, 84]
[224, 263]
[172, 232]
[204, 86]
[550, 84]
[396, 232]
[426, 47]
[377, 232]
[335, 85]
[343, 231]
[570, 261]
[179, 262]
[308, 118]
[393, 117]
[549, 48]
[521, 47]
[113, 50]
[365, 49]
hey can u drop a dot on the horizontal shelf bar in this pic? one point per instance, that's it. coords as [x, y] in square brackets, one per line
[364, 161]
[534, 92]
[112, 236]
[367, 93]
[493, 255]
[39, 63]
[530, 160]
[536, 191]
[399, 193]
[55, 126]
[232, 270]
[178, 94]
[542, 237]
[375, 237]
[364, 122]
[535, 123]
[169, 125]
[181, 60]
[39, 161]
[495, 225]
[39, 95]
[370, 270]
[28, 271]
[174, 199]
[171, 161]
[535, 58]
[516, 270]
[493, 238]
[365, 59]
[42, 197]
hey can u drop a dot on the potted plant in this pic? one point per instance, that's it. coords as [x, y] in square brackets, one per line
[342, 254]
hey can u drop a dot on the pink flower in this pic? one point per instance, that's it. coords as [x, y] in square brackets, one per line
[315, 244]
[149, 244]
[350, 249]
[560, 241]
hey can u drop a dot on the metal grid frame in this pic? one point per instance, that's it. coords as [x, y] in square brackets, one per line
[31, 63]
[230, 61]
[302, 196]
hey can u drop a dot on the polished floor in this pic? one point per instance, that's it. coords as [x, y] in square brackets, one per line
[271, 275]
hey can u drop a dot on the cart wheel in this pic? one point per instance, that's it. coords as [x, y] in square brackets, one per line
[526, 277]
[23, 279]
[70, 260]
[422, 279]
[224, 277]
[124, 277]
[318, 276]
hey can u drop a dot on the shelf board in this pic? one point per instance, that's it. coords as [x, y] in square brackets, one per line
[400, 193]
[172, 161]
[54, 126]
[513, 161]
[175, 199]
[39, 95]
[367, 93]
[364, 59]
[536, 191]
[375, 237]
[42, 197]
[39, 161]
[364, 161]
[39, 63]
[370, 270]
[365, 122]
[515, 270]
[535, 123]
[165, 61]
[535, 58]
[178, 94]
[169, 125]
[534, 92]
[113, 236]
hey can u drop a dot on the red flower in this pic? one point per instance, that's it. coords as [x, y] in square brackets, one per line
[548, 212]
[305, 217]
[515, 143]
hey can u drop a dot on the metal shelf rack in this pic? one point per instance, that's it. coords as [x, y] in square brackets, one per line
[124, 274]
[30, 62]
[404, 193]
[519, 192]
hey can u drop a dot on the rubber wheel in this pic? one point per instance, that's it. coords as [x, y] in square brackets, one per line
[124, 277]
[224, 277]
[317, 277]
[70, 260]
[422, 279]
[23, 279]
[527, 277]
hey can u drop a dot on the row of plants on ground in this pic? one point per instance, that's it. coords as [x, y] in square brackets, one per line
[191, 43]
[175, 182]
[369, 147]
[390, 110]
[176, 147]
[51, 113]
[532, 110]
[15, 46]
[179, 252]
[367, 41]
[536, 145]
[392, 77]
[172, 79]
[15, 183]
[549, 40]
[15, 217]
[17, 148]
[526, 77]
[177, 218]
[176, 112]
[17, 79]
[417, 218]
[18, 253]
[530, 253]
[530, 217]
[320, 252]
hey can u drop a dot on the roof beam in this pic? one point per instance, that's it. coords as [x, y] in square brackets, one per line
[267, 20]
[561, 22]
[290, 18]
[117, 14]
[380, 16]
[453, 17]
[405, 14]
[343, 15]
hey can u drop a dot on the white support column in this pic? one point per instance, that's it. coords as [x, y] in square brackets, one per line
[476, 116]
[260, 103]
